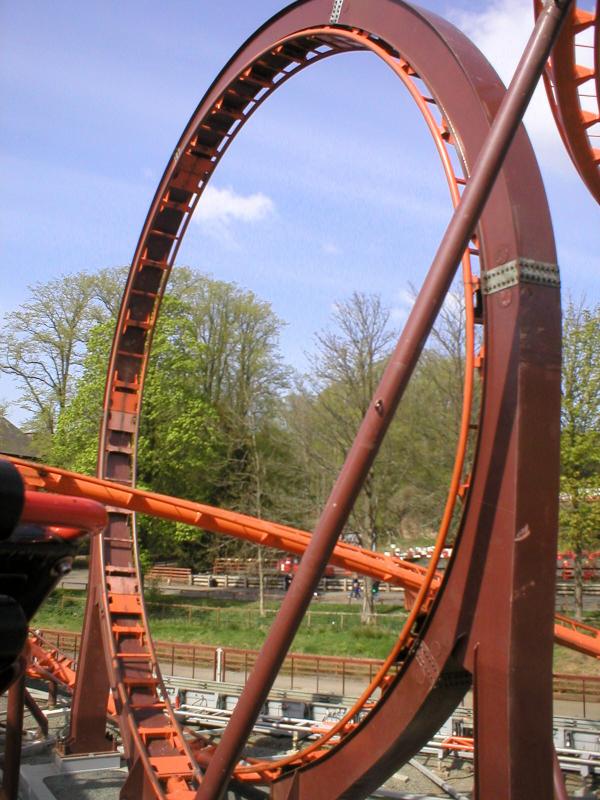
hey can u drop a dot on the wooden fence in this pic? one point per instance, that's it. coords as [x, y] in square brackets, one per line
[300, 670]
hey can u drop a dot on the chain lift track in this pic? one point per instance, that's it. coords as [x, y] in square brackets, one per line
[572, 81]
[489, 624]
[481, 624]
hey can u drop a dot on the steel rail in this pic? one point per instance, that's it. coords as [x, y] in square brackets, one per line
[217, 520]
[116, 616]
[44, 659]
[568, 632]
[567, 82]
[385, 402]
[121, 447]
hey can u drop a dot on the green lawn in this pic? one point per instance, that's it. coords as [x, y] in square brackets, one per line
[328, 628]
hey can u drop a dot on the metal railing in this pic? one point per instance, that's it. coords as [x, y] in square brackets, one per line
[316, 673]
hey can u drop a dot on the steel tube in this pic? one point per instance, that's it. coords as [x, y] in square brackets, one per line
[439, 782]
[560, 792]
[386, 399]
[14, 731]
[36, 712]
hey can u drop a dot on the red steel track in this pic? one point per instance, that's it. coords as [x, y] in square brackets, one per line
[46, 662]
[435, 63]
[489, 623]
[195, 158]
[567, 631]
[572, 81]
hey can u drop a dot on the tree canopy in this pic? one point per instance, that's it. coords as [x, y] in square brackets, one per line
[227, 422]
[580, 437]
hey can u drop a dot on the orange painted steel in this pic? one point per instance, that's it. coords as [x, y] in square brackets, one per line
[115, 617]
[577, 636]
[217, 520]
[567, 632]
[570, 85]
[458, 744]
[67, 517]
[47, 662]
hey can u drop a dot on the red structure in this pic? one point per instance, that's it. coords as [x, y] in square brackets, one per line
[350, 558]
[35, 535]
[489, 624]
[570, 80]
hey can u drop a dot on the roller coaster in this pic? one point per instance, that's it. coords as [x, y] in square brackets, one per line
[488, 624]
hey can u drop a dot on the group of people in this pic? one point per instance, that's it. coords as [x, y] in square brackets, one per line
[356, 590]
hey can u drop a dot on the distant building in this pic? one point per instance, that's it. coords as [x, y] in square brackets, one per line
[14, 442]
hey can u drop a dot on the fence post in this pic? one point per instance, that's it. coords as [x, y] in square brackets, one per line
[343, 677]
[318, 671]
[193, 661]
[292, 671]
[172, 659]
[220, 665]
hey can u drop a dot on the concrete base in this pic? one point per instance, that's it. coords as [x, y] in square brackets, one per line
[87, 762]
[101, 777]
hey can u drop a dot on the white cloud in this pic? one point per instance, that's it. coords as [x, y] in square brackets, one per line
[404, 300]
[331, 249]
[501, 32]
[224, 206]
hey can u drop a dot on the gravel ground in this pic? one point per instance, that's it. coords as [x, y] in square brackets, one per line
[106, 784]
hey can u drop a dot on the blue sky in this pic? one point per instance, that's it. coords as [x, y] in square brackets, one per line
[329, 188]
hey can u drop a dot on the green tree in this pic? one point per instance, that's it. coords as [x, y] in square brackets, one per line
[580, 438]
[241, 374]
[75, 442]
[180, 436]
[42, 345]
[208, 423]
[406, 489]
[346, 369]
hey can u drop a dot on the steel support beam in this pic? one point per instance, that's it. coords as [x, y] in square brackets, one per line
[384, 404]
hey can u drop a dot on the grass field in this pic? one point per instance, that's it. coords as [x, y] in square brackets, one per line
[328, 628]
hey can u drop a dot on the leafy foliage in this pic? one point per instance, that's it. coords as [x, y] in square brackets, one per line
[580, 437]
[225, 422]
[207, 430]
